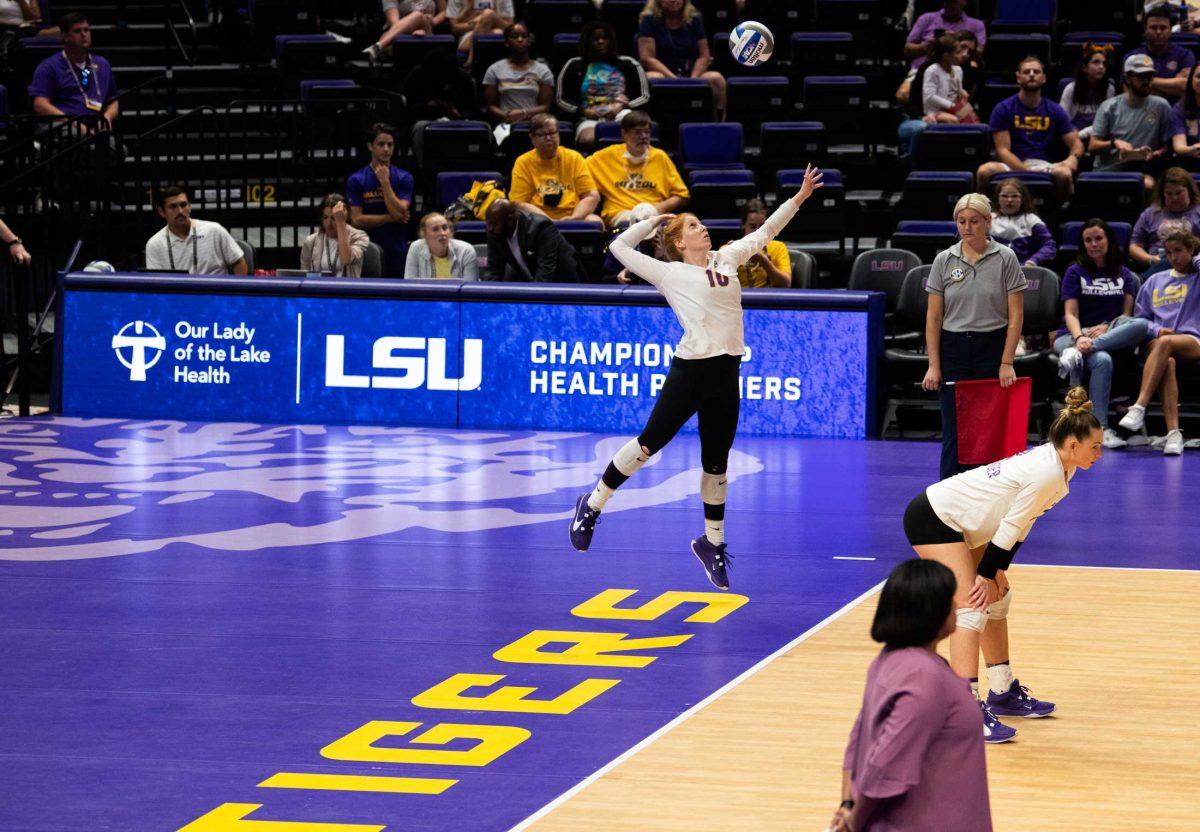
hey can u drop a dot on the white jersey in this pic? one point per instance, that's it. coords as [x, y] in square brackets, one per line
[1000, 501]
[707, 301]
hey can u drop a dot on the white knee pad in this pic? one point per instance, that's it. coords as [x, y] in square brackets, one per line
[630, 458]
[713, 488]
[969, 618]
[999, 610]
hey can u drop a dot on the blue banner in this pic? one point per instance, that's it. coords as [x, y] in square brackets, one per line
[453, 362]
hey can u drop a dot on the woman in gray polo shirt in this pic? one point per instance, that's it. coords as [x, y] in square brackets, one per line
[976, 310]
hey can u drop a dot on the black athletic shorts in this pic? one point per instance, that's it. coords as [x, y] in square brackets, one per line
[923, 527]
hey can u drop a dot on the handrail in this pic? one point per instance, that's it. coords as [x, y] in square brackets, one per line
[190, 58]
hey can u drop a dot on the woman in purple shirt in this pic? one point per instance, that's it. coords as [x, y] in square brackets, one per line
[1175, 205]
[1098, 294]
[915, 758]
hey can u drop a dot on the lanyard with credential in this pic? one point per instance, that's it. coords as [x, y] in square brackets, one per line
[95, 105]
[331, 258]
[195, 254]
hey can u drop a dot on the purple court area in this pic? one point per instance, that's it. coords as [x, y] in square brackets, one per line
[192, 608]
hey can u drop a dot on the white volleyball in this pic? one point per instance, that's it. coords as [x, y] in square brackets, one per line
[751, 43]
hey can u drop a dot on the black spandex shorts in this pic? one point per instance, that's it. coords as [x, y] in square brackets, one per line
[923, 527]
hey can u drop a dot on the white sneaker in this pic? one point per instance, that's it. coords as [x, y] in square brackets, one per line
[1174, 445]
[373, 53]
[1069, 362]
[1112, 439]
[1135, 418]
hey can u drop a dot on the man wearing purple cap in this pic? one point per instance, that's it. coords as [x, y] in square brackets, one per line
[1132, 130]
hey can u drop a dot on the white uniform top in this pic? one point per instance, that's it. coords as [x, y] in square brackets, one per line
[207, 249]
[1000, 501]
[707, 301]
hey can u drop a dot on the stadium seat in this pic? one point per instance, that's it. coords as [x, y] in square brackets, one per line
[752, 100]
[589, 240]
[924, 238]
[548, 17]
[932, 194]
[1115, 196]
[625, 16]
[951, 147]
[1041, 188]
[249, 253]
[717, 192]
[309, 56]
[1020, 16]
[1004, 52]
[820, 53]
[410, 50]
[308, 89]
[1042, 314]
[674, 101]
[454, 145]
[859, 16]
[609, 133]
[791, 144]
[1188, 40]
[519, 142]
[840, 102]
[710, 146]
[564, 48]
[722, 231]
[904, 366]
[1068, 247]
[804, 269]
[452, 185]
[3, 106]
[372, 263]
[1071, 48]
[882, 270]
[489, 48]
[991, 92]
[824, 214]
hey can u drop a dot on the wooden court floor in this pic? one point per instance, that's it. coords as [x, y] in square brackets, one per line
[1115, 648]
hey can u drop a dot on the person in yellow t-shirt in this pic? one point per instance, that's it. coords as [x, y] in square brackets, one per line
[771, 267]
[633, 173]
[552, 180]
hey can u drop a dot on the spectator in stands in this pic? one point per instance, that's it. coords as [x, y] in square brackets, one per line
[1174, 327]
[976, 312]
[336, 246]
[471, 17]
[1098, 294]
[1025, 128]
[188, 245]
[929, 27]
[379, 195]
[527, 247]
[1082, 97]
[552, 180]
[1171, 61]
[518, 87]
[635, 173]
[771, 267]
[437, 89]
[915, 758]
[914, 118]
[599, 85]
[1185, 120]
[1132, 130]
[942, 90]
[75, 82]
[672, 44]
[16, 248]
[1175, 205]
[436, 254]
[20, 19]
[407, 17]
[1017, 226]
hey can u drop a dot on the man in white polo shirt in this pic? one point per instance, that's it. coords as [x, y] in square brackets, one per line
[192, 246]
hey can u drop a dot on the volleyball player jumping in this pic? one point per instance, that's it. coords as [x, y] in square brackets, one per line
[702, 286]
[974, 523]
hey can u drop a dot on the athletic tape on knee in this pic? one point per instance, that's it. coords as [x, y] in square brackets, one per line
[713, 488]
[969, 618]
[999, 610]
[630, 458]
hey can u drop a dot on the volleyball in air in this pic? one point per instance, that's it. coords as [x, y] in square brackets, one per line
[751, 43]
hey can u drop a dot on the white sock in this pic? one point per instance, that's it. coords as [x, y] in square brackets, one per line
[714, 530]
[599, 496]
[1000, 677]
[974, 687]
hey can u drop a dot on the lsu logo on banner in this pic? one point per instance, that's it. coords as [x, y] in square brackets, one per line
[424, 367]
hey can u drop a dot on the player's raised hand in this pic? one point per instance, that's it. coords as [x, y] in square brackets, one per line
[812, 181]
